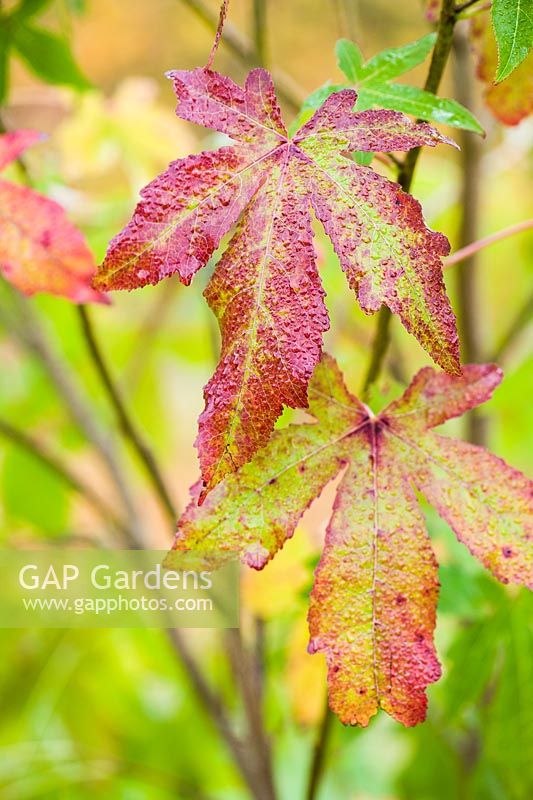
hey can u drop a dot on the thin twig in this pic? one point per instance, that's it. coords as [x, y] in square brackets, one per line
[523, 318]
[63, 471]
[257, 741]
[480, 244]
[463, 6]
[244, 48]
[124, 419]
[319, 753]
[214, 707]
[439, 58]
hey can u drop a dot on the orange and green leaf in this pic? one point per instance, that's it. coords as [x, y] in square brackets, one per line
[373, 603]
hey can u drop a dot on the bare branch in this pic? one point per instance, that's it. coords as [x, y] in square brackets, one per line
[474, 247]
[124, 419]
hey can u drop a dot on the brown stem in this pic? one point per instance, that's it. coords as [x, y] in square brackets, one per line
[218, 33]
[63, 471]
[216, 711]
[467, 278]
[124, 419]
[439, 58]
[257, 742]
[244, 48]
[319, 753]
[474, 247]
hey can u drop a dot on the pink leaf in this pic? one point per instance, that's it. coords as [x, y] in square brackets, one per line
[266, 291]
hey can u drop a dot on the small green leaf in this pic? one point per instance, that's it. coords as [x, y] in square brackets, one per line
[321, 94]
[513, 29]
[49, 57]
[422, 104]
[349, 59]
[363, 158]
[29, 8]
[397, 60]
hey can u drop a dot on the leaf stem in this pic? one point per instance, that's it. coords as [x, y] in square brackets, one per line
[439, 58]
[244, 48]
[218, 33]
[124, 419]
[469, 250]
[379, 349]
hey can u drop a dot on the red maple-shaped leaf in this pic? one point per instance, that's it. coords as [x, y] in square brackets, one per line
[266, 291]
[40, 250]
[374, 599]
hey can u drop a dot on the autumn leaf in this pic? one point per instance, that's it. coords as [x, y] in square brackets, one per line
[265, 291]
[373, 602]
[40, 250]
[512, 99]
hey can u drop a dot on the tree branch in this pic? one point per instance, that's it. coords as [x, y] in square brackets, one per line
[256, 740]
[319, 753]
[439, 58]
[125, 421]
[466, 275]
[480, 244]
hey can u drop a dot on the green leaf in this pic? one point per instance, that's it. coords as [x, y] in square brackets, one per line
[29, 8]
[349, 59]
[321, 94]
[49, 57]
[397, 60]
[422, 104]
[371, 81]
[513, 28]
[363, 158]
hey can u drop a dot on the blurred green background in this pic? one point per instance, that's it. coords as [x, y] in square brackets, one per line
[109, 713]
